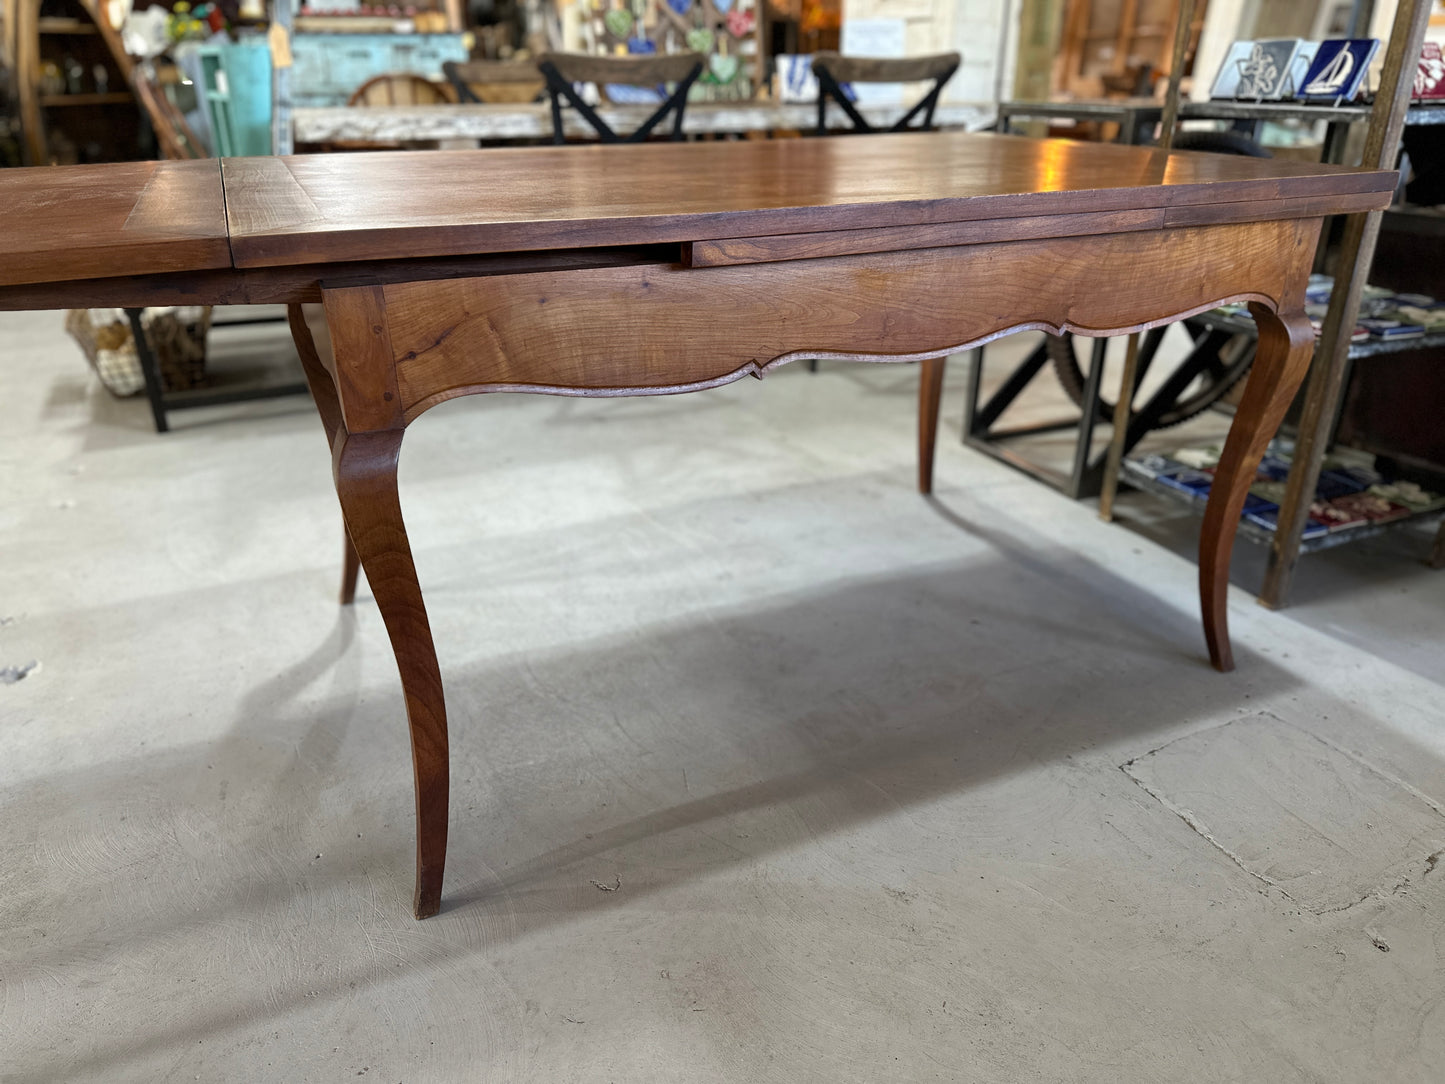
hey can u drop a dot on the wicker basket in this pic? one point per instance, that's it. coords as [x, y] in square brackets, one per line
[177, 338]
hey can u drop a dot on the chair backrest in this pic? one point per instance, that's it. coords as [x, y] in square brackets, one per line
[174, 135]
[494, 81]
[833, 70]
[562, 70]
[399, 88]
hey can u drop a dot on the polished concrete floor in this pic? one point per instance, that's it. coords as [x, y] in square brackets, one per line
[765, 768]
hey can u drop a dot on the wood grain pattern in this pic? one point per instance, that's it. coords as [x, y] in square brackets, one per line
[1286, 345]
[930, 395]
[322, 382]
[870, 69]
[302, 284]
[636, 70]
[330, 208]
[365, 371]
[809, 246]
[364, 466]
[494, 71]
[645, 330]
[1265, 210]
[365, 469]
[124, 218]
[805, 246]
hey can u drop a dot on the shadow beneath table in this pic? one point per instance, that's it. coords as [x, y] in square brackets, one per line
[714, 740]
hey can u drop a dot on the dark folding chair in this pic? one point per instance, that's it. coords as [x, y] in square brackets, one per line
[833, 70]
[562, 70]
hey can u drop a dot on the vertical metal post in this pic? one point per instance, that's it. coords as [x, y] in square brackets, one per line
[1109, 484]
[970, 406]
[1079, 475]
[150, 369]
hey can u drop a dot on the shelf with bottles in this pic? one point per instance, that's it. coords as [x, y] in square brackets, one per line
[52, 101]
[73, 83]
[62, 26]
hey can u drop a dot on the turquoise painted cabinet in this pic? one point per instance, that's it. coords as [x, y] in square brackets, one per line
[328, 67]
[235, 84]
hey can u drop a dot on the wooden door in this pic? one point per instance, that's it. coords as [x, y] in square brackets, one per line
[1108, 44]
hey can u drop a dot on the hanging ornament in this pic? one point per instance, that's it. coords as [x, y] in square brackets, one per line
[724, 68]
[741, 23]
[618, 22]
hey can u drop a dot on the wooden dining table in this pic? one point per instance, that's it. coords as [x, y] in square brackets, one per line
[670, 267]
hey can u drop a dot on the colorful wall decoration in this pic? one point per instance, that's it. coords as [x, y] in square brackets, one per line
[725, 31]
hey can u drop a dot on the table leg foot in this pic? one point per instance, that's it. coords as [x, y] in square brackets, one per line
[365, 466]
[1286, 344]
[930, 393]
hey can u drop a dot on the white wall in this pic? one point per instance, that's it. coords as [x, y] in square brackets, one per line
[974, 28]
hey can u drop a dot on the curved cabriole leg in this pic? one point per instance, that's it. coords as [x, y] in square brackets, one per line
[350, 562]
[1286, 344]
[930, 391]
[365, 465]
[323, 393]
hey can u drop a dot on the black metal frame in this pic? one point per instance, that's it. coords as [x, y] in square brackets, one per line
[830, 87]
[465, 95]
[559, 88]
[1086, 475]
[1136, 119]
[162, 402]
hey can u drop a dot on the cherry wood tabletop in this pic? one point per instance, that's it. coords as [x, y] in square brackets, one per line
[388, 205]
[130, 218]
[815, 196]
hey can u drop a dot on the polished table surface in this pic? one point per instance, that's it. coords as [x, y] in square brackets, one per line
[122, 220]
[662, 268]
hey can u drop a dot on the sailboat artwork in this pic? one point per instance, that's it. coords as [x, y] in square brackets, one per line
[1339, 69]
[1334, 76]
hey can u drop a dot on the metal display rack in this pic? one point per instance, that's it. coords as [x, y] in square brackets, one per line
[1137, 477]
[1387, 116]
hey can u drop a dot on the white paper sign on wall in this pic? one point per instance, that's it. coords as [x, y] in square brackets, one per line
[874, 37]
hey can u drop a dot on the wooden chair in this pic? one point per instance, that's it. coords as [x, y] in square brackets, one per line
[399, 88]
[495, 82]
[834, 70]
[562, 70]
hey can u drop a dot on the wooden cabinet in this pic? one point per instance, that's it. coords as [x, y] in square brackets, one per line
[73, 84]
[1114, 46]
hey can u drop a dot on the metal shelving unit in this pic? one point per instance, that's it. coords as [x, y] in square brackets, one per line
[1137, 477]
[1386, 117]
[1366, 348]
